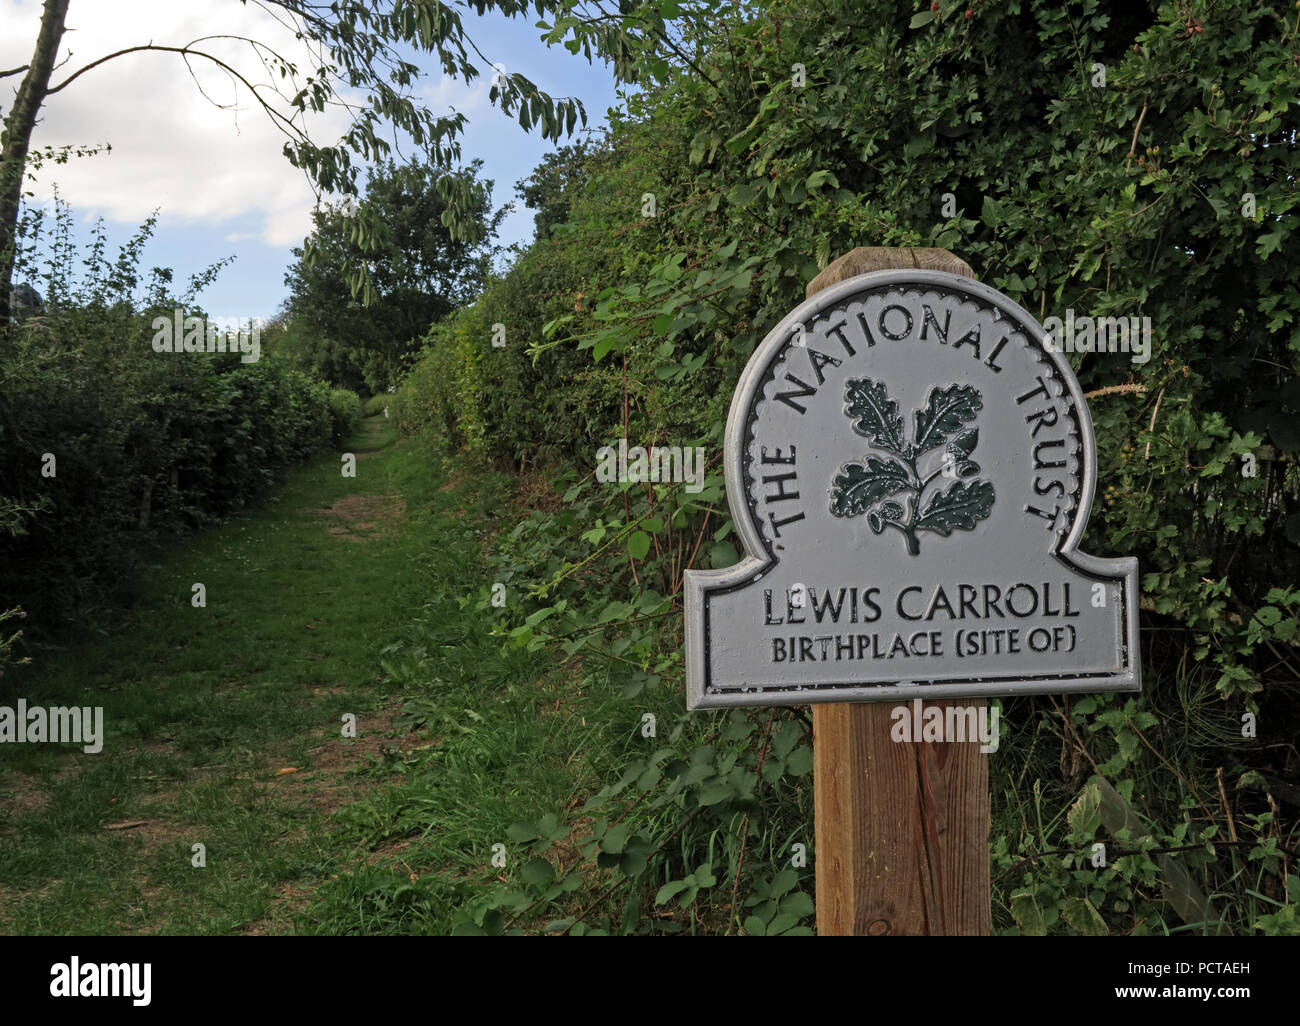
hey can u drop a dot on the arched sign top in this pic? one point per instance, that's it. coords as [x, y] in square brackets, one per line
[910, 467]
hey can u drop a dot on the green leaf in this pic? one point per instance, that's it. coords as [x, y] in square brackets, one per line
[876, 413]
[633, 863]
[703, 876]
[800, 762]
[615, 839]
[607, 342]
[991, 212]
[945, 411]
[921, 18]
[1025, 911]
[718, 791]
[1085, 815]
[521, 833]
[798, 905]
[1085, 919]
[780, 924]
[638, 544]
[819, 178]
[1271, 243]
[722, 555]
[858, 487]
[743, 195]
[918, 145]
[1268, 615]
[959, 507]
[538, 872]
[671, 889]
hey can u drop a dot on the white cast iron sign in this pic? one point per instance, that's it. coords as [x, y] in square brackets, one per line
[910, 467]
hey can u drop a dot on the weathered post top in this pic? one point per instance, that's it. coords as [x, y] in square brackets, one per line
[910, 467]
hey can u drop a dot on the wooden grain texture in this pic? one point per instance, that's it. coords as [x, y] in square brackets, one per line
[865, 259]
[901, 827]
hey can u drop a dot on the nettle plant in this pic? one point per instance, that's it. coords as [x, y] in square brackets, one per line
[860, 487]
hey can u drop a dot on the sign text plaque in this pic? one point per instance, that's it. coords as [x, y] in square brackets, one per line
[910, 467]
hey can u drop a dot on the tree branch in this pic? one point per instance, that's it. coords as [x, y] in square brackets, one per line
[293, 131]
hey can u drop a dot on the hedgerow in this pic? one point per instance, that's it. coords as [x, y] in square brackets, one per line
[1139, 161]
[105, 442]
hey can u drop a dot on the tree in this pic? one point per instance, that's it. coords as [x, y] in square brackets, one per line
[17, 136]
[422, 273]
[360, 46]
[550, 186]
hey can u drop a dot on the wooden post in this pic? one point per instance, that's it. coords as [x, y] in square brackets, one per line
[901, 827]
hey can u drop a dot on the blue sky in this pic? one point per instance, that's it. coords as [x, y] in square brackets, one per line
[218, 176]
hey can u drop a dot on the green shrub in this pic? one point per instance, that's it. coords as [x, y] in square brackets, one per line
[103, 440]
[345, 413]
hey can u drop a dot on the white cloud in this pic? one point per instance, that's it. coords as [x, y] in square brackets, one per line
[172, 148]
[451, 92]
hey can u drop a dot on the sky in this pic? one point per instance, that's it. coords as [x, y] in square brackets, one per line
[215, 171]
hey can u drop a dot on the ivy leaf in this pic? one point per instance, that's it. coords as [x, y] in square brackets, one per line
[858, 487]
[959, 507]
[945, 411]
[877, 415]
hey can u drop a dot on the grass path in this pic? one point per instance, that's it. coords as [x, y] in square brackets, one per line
[206, 708]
